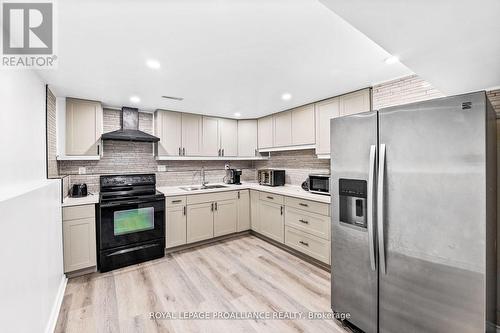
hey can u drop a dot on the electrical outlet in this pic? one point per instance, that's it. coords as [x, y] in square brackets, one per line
[82, 170]
[162, 168]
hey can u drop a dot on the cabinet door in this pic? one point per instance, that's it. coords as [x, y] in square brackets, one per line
[243, 210]
[254, 210]
[228, 133]
[265, 132]
[176, 225]
[191, 134]
[79, 244]
[282, 129]
[325, 111]
[225, 217]
[247, 137]
[303, 125]
[200, 222]
[272, 222]
[356, 102]
[83, 127]
[210, 140]
[168, 127]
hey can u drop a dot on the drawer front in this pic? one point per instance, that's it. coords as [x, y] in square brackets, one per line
[211, 197]
[308, 205]
[276, 198]
[174, 201]
[78, 212]
[318, 225]
[313, 246]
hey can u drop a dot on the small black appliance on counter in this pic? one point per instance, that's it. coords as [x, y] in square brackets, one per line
[233, 176]
[271, 177]
[78, 190]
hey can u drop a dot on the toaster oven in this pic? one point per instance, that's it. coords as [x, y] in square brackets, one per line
[271, 177]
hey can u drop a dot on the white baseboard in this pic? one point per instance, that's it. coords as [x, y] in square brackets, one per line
[56, 307]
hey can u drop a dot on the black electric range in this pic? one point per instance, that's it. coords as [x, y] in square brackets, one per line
[131, 223]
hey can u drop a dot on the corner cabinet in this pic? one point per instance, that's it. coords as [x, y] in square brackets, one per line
[265, 132]
[84, 127]
[247, 138]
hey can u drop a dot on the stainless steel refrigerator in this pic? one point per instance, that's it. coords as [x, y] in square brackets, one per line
[414, 217]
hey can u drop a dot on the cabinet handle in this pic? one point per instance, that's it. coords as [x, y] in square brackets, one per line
[98, 146]
[180, 151]
[218, 152]
[212, 206]
[222, 151]
[303, 204]
[238, 194]
[270, 197]
[304, 221]
[183, 151]
[216, 206]
[184, 210]
[304, 243]
[176, 201]
[281, 210]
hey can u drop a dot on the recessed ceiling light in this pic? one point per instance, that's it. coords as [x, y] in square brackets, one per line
[153, 64]
[237, 114]
[286, 96]
[135, 99]
[392, 60]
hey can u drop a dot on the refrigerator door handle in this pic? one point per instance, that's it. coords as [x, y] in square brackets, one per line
[370, 204]
[380, 208]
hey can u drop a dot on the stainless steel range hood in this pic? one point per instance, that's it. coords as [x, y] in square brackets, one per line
[130, 128]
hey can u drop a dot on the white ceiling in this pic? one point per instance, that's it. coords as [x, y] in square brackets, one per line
[222, 56]
[454, 44]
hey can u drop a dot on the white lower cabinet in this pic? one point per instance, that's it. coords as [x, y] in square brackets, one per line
[309, 244]
[200, 222]
[272, 220]
[225, 217]
[79, 240]
[176, 225]
[254, 211]
[243, 210]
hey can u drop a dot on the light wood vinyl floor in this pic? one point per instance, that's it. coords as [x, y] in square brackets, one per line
[244, 274]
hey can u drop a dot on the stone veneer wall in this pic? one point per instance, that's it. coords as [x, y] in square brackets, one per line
[137, 157]
[51, 135]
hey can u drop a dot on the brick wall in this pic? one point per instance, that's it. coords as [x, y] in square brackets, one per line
[51, 136]
[402, 91]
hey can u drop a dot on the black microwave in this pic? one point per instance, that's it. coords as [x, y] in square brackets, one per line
[319, 183]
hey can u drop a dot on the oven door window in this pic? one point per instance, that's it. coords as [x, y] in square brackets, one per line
[133, 220]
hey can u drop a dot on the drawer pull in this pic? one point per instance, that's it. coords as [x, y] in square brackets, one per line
[304, 221]
[303, 204]
[304, 243]
[272, 198]
[176, 201]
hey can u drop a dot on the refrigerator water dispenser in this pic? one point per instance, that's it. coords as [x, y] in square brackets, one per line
[352, 197]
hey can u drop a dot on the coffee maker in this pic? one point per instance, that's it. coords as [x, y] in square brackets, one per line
[233, 176]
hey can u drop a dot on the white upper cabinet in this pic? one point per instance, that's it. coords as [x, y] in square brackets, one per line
[210, 136]
[356, 102]
[303, 125]
[228, 134]
[84, 127]
[191, 134]
[283, 129]
[265, 132]
[325, 110]
[168, 127]
[247, 137]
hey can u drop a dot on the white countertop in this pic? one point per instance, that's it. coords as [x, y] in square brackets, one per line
[287, 190]
[90, 199]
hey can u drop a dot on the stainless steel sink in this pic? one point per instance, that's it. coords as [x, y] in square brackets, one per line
[199, 187]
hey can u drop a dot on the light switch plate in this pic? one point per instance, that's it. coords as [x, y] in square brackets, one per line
[162, 168]
[82, 170]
